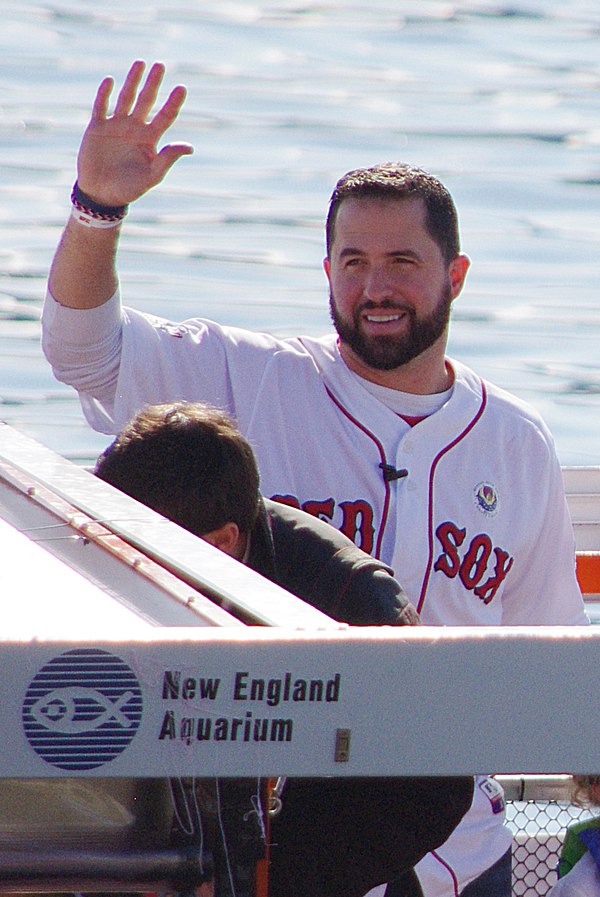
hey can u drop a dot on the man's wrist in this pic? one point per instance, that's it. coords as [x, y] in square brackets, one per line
[92, 214]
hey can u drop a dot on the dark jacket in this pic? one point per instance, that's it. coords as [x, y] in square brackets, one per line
[316, 562]
[335, 837]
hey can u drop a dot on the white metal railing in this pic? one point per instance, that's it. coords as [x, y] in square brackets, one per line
[44, 474]
[582, 486]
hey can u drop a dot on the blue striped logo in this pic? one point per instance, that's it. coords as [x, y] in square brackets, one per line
[82, 709]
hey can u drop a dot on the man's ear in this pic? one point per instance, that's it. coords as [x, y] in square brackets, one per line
[458, 271]
[226, 538]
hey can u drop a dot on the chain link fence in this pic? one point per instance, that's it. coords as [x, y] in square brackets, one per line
[538, 811]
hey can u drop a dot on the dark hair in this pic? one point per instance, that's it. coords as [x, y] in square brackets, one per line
[189, 462]
[398, 181]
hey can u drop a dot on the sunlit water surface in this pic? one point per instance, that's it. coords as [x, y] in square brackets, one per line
[502, 101]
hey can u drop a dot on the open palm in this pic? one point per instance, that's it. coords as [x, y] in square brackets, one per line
[119, 159]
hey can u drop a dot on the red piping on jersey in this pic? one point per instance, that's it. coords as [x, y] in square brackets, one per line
[386, 503]
[434, 465]
[435, 854]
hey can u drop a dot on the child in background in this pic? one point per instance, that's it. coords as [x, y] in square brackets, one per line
[579, 866]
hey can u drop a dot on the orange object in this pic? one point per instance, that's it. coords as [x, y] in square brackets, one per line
[588, 571]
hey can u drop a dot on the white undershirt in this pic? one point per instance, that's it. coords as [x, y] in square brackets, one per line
[407, 404]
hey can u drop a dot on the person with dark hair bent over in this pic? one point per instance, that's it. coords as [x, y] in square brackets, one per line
[334, 837]
[189, 462]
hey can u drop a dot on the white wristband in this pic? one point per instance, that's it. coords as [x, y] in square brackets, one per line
[90, 221]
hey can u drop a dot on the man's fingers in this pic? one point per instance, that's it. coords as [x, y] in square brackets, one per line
[128, 92]
[148, 93]
[167, 157]
[134, 160]
[100, 107]
[138, 106]
[167, 114]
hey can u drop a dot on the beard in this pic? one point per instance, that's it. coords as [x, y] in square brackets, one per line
[385, 353]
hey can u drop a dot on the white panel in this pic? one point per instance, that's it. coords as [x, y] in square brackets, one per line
[39, 595]
[415, 701]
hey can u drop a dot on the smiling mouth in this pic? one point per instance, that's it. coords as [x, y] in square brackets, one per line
[383, 319]
[383, 315]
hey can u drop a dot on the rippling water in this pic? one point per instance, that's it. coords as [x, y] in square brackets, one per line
[502, 101]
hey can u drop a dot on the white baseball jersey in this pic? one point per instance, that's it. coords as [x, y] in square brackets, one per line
[468, 506]
[583, 880]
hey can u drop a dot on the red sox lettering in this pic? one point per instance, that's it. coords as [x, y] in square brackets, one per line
[480, 565]
[357, 517]
[473, 563]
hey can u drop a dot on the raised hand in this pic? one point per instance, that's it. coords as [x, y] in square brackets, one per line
[119, 159]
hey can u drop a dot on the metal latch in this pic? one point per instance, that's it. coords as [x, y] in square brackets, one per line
[342, 745]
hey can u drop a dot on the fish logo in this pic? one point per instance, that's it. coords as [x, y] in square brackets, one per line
[82, 709]
[486, 498]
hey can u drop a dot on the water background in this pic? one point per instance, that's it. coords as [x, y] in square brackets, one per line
[501, 101]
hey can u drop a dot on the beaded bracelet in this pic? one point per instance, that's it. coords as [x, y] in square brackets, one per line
[92, 214]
